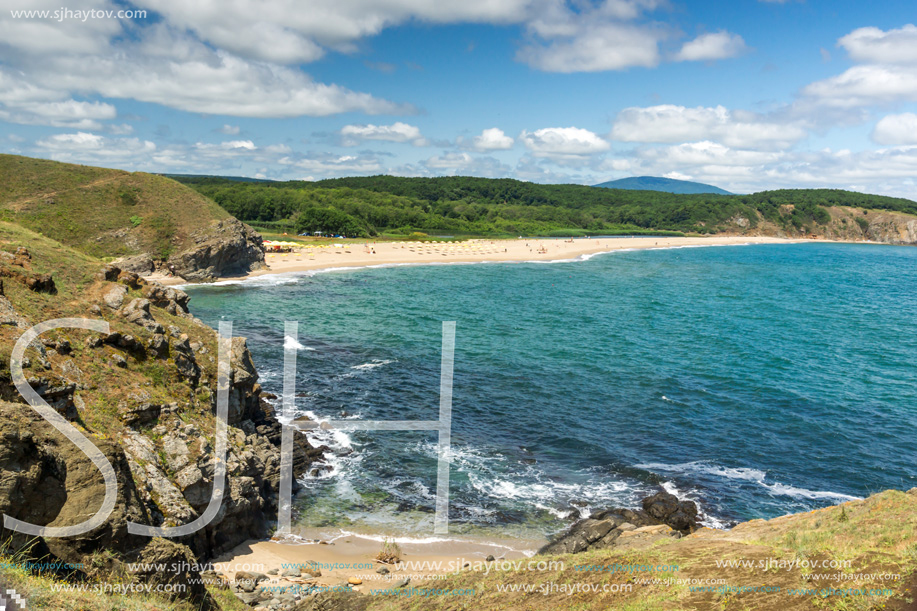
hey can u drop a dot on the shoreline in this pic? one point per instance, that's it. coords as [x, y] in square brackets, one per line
[520, 250]
[334, 553]
[350, 555]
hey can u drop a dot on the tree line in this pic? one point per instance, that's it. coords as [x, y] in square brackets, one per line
[373, 205]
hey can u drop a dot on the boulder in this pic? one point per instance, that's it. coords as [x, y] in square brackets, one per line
[141, 264]
[668, 509]
[113, 297]
[663, 515]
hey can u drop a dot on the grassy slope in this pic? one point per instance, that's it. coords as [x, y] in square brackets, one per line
[877, 535]
[103, 384]
[102, 212]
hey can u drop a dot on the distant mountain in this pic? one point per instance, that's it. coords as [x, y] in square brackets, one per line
[657, 183]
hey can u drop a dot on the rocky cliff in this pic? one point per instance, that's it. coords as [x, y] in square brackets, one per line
[845, 223]
[224, 248]
[144, 394]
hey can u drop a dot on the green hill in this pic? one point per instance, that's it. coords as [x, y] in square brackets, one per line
[102, 212]
[461, 205]
[658, 183]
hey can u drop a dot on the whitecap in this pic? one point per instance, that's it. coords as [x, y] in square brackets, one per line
[375, 363]
[289, 342]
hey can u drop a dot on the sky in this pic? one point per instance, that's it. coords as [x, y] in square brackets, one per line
[747, 95]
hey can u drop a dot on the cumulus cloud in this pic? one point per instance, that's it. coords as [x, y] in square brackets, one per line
[26, 103]
[887, 73]
[670, 123]
[86, 147]
[229, 130]
[328, 165]
[468, 165]
[866, 85]
[164, 65]
[352, 135]
[563, 142]
[593, 47]
[872, 45]
[493, 139]
[284, 32]
[718, 45]
[896, 129]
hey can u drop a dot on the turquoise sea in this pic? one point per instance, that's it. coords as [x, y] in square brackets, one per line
[757, 380]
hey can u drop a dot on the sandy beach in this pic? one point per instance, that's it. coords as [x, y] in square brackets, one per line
[345, 557]
[366, 254]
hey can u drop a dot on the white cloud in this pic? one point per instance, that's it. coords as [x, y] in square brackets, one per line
[123, 129]
[26, 103]
[352, 135]
[706, 153]
[285, 32]
[229, 130]
[678, 176]
[468, 165]
[671, 123]
[280, 149]
[872, 45]
[493, 139]
[326, 165]
[161, 65]
[865, 85]
[887, 73]
[719, 45]
[86, 147]
[560, 142]
[595, 47]
[896, 129]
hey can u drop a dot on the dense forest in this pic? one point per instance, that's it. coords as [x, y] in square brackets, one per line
[373, 205]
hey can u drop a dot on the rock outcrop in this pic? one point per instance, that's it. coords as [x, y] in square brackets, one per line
[156, 374]
[227, 247]
[662, 516]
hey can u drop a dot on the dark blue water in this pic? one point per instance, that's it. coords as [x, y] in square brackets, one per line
[757, 380]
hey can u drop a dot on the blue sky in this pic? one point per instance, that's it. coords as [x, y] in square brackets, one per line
[747, 95]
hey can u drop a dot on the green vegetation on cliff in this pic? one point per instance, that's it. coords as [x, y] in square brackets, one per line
[464, 205]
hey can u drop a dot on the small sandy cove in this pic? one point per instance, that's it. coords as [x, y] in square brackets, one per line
[351, 558]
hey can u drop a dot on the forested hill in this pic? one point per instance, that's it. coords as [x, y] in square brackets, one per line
[464, 205]
[659, 183]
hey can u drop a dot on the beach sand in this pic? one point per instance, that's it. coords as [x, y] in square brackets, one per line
[370, 253]
[348, 556]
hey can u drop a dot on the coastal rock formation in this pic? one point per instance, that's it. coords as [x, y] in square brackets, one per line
[663, 515]
[226, 247]
[144, 394]
[47, 480]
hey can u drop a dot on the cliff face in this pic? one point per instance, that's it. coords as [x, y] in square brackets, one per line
[145, 394]
[225, 248]
[850, 224]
